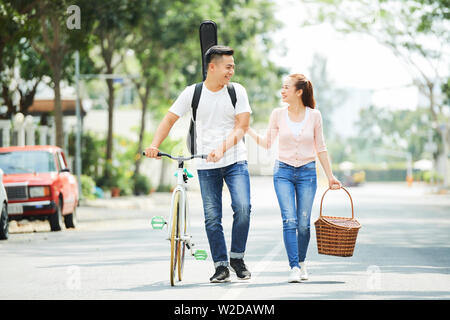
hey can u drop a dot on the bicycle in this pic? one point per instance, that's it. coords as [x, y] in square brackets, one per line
[179, 220]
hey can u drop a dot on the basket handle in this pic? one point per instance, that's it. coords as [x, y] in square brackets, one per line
[351, 201]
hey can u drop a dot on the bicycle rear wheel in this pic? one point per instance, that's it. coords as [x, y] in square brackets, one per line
[174, 238]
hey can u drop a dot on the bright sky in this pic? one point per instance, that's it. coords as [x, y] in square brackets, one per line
[354, 60]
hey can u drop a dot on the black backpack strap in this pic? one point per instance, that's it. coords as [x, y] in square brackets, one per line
[232, 94]
[194, 105]
[198, 92]
[196, 99]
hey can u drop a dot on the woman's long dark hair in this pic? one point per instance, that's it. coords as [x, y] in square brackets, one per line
[301, 82]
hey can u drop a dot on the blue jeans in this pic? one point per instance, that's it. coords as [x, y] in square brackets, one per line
[211, 185]
[295, 188]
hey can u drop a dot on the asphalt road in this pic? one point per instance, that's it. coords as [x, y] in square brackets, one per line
[402, 251]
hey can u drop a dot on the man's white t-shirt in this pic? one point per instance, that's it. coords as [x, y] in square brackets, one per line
[215, 120]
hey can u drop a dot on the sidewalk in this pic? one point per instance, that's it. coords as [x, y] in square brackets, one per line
[131, 202]
[262, 191]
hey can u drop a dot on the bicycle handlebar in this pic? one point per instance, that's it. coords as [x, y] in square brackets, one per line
[162, 154]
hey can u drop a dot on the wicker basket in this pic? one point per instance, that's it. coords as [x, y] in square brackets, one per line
[336, 236]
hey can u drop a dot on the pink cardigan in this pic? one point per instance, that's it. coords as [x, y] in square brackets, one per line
[300, 150]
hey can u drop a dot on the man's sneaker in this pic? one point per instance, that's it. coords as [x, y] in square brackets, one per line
[303, 271]
[222, 275]
[294, 276]
[238, 266]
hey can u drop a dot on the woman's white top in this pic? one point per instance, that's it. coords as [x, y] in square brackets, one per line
[296, 127]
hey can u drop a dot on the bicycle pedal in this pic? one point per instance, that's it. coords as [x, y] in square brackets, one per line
[158, 222]
[200, 255]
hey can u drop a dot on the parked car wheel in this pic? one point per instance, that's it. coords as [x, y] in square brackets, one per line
[55, 219]
[4, 223]
[70, 220]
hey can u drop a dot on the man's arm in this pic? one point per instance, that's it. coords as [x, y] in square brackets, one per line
[161, 133]
[241, 126]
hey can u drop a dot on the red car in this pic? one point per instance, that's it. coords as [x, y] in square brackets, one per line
[39, 185]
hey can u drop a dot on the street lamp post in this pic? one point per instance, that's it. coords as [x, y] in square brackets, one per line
[78, 131]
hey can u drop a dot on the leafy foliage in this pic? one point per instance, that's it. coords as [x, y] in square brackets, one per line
[402, 130]
[162, 35]
[417, 32]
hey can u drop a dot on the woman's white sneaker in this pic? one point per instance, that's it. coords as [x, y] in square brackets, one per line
[294, 276]
[303, 271]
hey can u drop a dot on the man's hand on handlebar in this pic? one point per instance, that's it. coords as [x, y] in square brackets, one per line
[215, 156]
[152, 152]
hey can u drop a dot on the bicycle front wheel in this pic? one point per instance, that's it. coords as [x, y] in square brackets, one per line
[182, 244]
[175, 238]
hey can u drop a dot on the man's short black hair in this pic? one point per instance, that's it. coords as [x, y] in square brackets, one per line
[217, 50]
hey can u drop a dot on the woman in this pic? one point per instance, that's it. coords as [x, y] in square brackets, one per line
[299, 127]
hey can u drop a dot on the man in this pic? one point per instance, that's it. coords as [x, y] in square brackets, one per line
[220, 127]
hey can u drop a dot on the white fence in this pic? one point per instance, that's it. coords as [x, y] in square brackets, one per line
[21, 131]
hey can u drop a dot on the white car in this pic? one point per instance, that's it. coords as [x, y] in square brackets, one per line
[4, 208]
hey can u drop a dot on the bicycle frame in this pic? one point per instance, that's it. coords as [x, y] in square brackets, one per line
[181, 187]
[179, 234]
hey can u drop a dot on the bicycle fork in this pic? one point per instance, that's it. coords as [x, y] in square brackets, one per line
[158, 222]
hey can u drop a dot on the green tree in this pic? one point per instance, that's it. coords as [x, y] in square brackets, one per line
[92, 153]
[15, 52]
[13, 18]
[168, 61]
[112, 25]
[402, 130]
[157, 44]
[415, 31]
[55, 42]
[21, 57]
[247, 26]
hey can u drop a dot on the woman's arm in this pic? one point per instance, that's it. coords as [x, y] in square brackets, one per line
[272, 132]
[262, 141]
[322, 153]
[333, 183]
